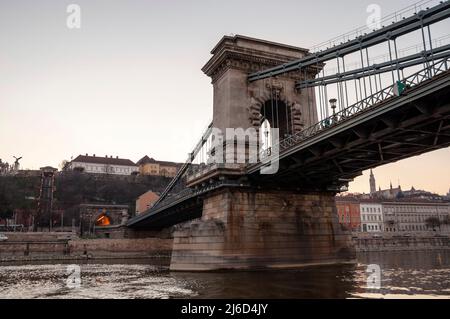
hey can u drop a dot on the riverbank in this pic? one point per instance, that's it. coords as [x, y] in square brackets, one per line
[62, 246]
[33, 247]
[388, 242]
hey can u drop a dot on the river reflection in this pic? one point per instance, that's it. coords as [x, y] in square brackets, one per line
[404, 275]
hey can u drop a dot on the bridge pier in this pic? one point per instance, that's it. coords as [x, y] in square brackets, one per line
[247, 229]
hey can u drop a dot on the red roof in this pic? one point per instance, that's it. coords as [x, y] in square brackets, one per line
[147, 160]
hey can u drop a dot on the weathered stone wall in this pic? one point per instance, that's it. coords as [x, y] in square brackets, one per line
[36, 236]
[242, 229]
[85, 248]
[32, 249]
[121, 247]
[390, 243]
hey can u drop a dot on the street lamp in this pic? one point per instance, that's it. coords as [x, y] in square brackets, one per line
[333, 107]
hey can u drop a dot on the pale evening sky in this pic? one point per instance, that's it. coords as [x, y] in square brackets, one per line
[128, 83]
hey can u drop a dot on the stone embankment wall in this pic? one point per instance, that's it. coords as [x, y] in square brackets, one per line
[400, 243]
[124, 247]
[48, 246]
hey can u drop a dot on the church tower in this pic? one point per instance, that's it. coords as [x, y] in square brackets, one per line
[373, 187]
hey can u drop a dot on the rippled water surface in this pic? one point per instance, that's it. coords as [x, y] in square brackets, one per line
[403, 275]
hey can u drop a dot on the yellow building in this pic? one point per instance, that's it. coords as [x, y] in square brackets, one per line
[150, 166]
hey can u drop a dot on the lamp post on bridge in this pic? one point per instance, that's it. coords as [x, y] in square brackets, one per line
[333, 107]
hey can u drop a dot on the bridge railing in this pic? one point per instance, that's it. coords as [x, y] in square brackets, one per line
[392, 91]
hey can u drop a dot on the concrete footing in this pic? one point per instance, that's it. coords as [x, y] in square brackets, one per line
[246, 229]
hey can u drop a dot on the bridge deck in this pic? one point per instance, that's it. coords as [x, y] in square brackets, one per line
[416, 122]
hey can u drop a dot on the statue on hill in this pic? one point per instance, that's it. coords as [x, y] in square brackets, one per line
[16, 163]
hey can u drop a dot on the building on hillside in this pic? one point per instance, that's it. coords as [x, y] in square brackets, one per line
[416, 216]
[348, 212]
[103, 165]
[150, 166]
[145, 201]
[390, 193]
[420, 194]
[371, 216]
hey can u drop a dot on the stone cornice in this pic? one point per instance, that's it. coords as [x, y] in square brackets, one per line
[236, 38]
[249, 55]
[246, 60]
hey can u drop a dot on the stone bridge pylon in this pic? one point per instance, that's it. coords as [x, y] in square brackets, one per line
[250, 226]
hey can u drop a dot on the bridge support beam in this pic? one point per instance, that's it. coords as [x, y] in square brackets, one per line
[247, 229]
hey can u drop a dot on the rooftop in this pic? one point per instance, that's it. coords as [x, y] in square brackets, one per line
[103, 160]
[151, 160]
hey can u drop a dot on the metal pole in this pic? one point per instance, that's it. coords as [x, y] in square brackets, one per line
[370, 78]
[425, 48]
[324, 105]
[320, 97]
[362, 66]
[396, 57]
[277, 111]
[338, 84]
[271, 103]
[345, 83]
[309, 105]
[287, 118]
[431, 45]
[376, 85]
[320, 102]
[338, 95]
[390, 57]
[360, 89]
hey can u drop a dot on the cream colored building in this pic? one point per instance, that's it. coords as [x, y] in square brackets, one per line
[412, 215]
[103, 165]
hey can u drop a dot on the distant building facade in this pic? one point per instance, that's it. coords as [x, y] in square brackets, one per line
[145, 201]
[395, 211]
[416, 216]
[150, 166]
[371, 216]
[349, 213]
[103, 165]
[390, 193]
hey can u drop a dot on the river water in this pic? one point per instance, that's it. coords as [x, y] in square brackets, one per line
[403, 275]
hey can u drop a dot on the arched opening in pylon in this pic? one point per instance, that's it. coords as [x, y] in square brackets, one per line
[278, 115]
[103, 220]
